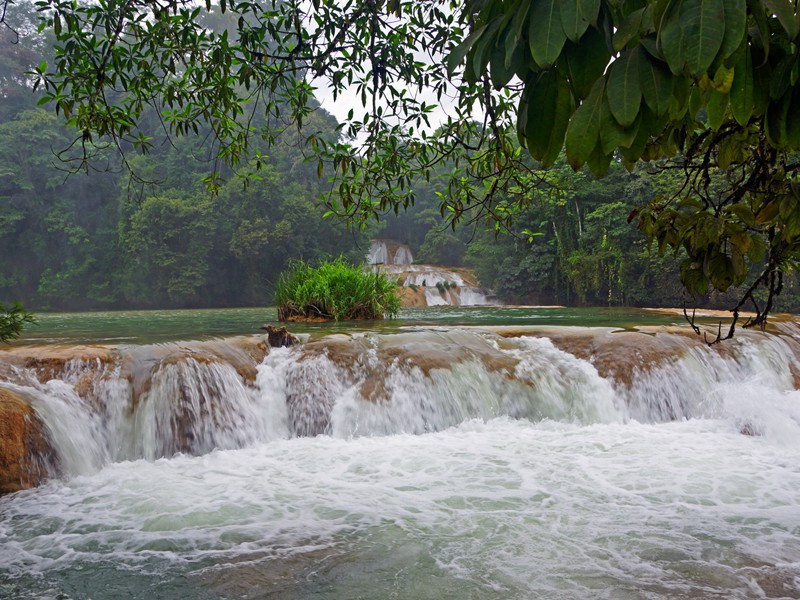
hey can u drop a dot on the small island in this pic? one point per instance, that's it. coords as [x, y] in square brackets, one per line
[334, 291]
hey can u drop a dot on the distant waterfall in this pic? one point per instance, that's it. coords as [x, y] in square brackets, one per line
[389, 252]
[440, 286]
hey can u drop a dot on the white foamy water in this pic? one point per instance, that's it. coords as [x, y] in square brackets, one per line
[500, 509]
[425, 464]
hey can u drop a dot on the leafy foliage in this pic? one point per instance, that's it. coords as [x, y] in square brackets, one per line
[711, 85]
[334, 290]
[12, 321]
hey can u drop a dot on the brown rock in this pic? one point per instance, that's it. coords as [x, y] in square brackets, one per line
[279, 337]
[26, 456]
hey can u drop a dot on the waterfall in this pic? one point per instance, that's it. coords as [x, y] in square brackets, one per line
[441, 286]
[156, 401]
[389, 252]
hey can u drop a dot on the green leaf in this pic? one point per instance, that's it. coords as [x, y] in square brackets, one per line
[500, 73]
[572, 21]
[793, 122]
[758, 249]
[612, 134]
[671, 41]
[656, 84]
[716, 108]
[483, 48]
[584, 127]
[587, 61]
[549, 109]
[628, 29]
[598, 162]
[735, 26]
[785, 11]
[645, 124]
[589, 10]
[776, 120]
[545, 33]
[623, 89]
[730, 151]
[744, 213]
[678, 102]
[515, 33]
[693, 278]
[762, 30]
[781, 77]
[459, 52]
[703, 24]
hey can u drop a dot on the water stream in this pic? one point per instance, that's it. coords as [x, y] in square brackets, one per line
[423, 461]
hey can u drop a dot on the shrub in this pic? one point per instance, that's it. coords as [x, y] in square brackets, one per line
[12, 321]
[334, 291]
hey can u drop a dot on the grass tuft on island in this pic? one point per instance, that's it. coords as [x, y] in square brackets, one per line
[334, 291]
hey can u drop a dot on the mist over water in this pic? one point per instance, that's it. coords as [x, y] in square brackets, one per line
[428, 463]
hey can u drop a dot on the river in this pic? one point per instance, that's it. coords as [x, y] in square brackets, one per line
[453, 453]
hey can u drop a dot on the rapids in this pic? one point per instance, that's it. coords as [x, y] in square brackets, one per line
[421, 462]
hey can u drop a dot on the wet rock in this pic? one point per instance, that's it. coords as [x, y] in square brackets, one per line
[279, 337]
[26, 456]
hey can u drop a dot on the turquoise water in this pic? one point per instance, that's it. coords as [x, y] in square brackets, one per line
[151, 326]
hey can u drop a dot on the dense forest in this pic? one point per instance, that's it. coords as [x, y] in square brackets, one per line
[144, 230]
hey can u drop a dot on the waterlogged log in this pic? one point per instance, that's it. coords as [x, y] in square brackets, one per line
[26, 456]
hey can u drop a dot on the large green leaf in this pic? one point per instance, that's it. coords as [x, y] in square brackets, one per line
[742, 89]
[598, 162]
[628, 29]
[584, 127]
[587, 61]
[484, 47]
[589, 10]
[671, 42]
[549, 109]
[716, 108]
[735, 26]
[781, 77]
[612, 134]
[776, 121]
[572, 21]
[793, 122]
[656, 84]
[645, 124]
[522, 114]
[762, 75]
[703, 24]
[623, 89]
[545, 34]
[785, 11]
[514, 35]
[459, 52]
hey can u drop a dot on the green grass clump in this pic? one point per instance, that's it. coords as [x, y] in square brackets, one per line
[334, 291]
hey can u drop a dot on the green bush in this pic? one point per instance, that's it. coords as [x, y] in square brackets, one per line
[334, 291]
[12, 321]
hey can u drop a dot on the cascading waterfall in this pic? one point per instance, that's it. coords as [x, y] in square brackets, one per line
[372, 385]
[426, 463]
[442, 286]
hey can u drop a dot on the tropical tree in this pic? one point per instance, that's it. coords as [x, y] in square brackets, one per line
[707, 84]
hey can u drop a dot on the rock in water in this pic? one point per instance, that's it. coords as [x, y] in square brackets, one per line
[279, 337]
[26, 456]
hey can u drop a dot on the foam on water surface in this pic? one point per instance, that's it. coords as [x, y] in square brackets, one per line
[503, 508]
[434, 463]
